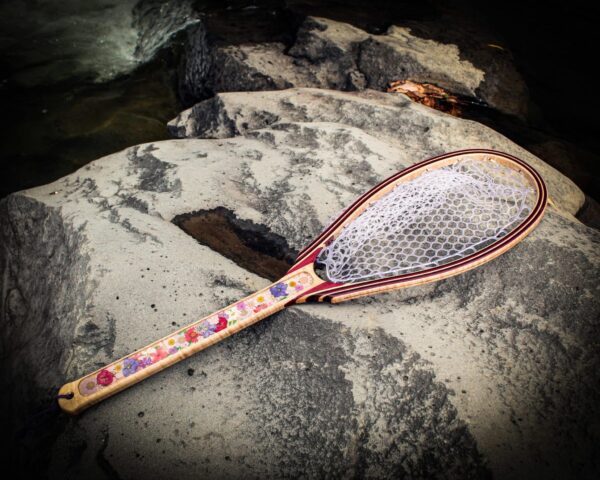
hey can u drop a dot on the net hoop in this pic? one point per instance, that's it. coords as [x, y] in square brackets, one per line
[336, 292]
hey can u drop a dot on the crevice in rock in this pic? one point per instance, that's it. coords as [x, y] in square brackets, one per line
[46, 292]
[103, 463]
[252, 246]
[589, 213]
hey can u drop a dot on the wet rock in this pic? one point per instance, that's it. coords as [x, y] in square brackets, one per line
[157, 22]
[194, 75]
[494, 372]
[337, 55]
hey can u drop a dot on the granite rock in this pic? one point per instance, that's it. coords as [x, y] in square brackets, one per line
[494, 372]
[417, 132]
[335, 55]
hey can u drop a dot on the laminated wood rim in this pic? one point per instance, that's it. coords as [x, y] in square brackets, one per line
[337, 292]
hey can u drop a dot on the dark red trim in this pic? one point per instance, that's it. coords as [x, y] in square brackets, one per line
[313, 292]
[307, 260]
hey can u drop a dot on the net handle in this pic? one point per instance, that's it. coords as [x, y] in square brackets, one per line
[78, 395]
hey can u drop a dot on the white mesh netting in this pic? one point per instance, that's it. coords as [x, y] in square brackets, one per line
[440, 216]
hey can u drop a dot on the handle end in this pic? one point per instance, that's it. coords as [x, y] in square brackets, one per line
[69, 399]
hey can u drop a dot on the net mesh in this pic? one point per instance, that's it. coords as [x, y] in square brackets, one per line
[440, 216]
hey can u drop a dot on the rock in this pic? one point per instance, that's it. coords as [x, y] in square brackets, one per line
[257, 67]
[417, 131]
[330, 49]
[400, 55]
[494, 372]
[576, 162]
[336, 55]
[502, 85]
[571, 159]
[197, 64]
[157, 22]
[590, 213]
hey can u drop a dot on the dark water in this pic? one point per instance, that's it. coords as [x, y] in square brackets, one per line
[79, 80]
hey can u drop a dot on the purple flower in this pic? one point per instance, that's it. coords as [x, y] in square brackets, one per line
[130, 366]
[209, 331]
[145, 362]
[172, 350]
[279, 290]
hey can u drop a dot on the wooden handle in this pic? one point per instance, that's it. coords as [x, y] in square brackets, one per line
[186, 341]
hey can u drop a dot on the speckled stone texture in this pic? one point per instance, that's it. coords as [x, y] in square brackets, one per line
[336, 55]
[494, 373]
[416, 131]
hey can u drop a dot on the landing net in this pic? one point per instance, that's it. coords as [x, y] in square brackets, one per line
[440, 216]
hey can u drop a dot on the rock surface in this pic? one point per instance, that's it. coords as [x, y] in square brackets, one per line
[416, 131]
[336, 55]
[494, 372]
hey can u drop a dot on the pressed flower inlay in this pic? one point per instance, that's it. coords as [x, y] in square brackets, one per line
[192, 334]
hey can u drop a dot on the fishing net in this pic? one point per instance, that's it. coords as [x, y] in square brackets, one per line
[440, 216]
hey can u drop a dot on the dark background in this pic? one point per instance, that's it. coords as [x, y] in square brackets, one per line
[53, 123]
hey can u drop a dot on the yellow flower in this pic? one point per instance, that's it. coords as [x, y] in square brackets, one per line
[292, 284]
[260, 299]
[171, 342]
[118, 367]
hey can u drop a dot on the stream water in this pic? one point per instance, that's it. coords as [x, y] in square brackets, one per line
[79, 80]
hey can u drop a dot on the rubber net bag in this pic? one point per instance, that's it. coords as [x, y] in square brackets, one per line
[440, 216]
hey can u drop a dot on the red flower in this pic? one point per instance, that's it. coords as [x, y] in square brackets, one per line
[105, 377]
[221, 325]
[191, 335]
[260, 307]
[159, 355]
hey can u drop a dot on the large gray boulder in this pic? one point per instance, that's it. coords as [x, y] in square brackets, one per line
[336, 55]
[417, 132]
[494, 372]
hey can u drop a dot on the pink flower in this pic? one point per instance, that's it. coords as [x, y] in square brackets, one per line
[89, 386]
[221, 325]
[104, 377]
[241, 306]
[159, 355]
[191, 335]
